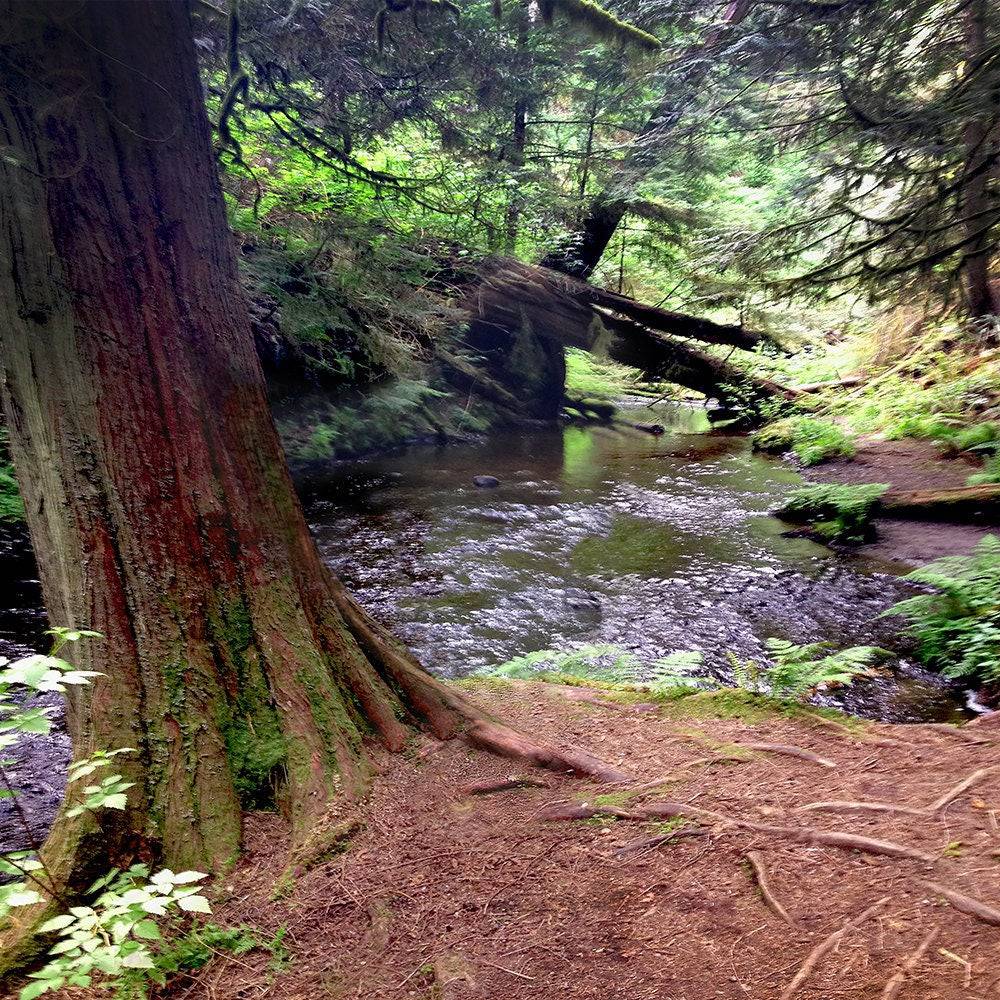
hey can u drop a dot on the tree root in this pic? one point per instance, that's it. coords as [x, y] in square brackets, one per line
[651, 843]
[896, 983]
[844, 806]
[789, 751]
[966, 904]
[826, 946]
[947, 729]
[759, 869]
[509, 742]
[801, 835]
[563, 811]
[502, 785]
[963, 786]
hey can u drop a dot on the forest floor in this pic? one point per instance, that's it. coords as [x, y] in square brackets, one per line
[908, 464]
[449, 895]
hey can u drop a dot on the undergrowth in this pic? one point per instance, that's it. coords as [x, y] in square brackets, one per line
[811, 440]
[838, 513]
[11, 504]
[957, 624]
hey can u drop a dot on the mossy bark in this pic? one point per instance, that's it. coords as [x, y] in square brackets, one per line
[157, 496]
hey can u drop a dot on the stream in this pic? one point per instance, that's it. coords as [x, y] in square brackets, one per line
[595, 535]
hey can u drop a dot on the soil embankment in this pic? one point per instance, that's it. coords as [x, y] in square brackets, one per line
[445, 893]
[907, 465]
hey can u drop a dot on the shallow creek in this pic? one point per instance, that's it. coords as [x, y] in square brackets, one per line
[595, 535]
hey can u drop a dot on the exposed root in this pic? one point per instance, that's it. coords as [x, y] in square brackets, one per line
[946, 729]
[651, 843]
[845, 806]
[503, 785]
[446, 710]
[845, 841]
[509, 742]
[966, 904]
[963, 786]
[826, 946]
[896, 983]
[801, 835]
[789, 751]
[756, 860]
[563, 811]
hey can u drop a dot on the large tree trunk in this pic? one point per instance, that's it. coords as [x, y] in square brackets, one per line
[157, 496]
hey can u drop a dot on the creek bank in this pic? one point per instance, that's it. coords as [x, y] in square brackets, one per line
[448, 893]
[907, 465]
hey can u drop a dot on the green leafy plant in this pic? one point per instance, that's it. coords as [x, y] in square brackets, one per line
[606, 663]
[811, 440]
[836, 512]
[115, 934]
[957, 624]
[798, 670]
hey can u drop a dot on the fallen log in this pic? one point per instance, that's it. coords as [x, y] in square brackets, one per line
[836, 383]
[507, 298]
[960, 503]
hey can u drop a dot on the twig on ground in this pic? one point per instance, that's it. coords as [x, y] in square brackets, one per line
[503, 785]
[963, 786]
[895, 984]
[826, 946]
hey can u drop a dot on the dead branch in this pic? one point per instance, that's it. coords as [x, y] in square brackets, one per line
[895, 984]
[966, 904]
[963, 786]
[756, 860]
[789, 751]
[561, 812]
[826, 946]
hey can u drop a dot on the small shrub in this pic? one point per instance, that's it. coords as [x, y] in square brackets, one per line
[838, 513]
[957, 626]
[811, 440]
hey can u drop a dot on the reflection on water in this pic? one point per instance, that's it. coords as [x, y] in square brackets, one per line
[600, 535]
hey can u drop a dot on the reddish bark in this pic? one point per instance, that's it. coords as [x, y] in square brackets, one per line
[157, 495]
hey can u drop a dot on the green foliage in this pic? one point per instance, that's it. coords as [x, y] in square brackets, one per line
[812, 440]
[591, 377]
[957, 625]
[990, 473]
[385, 417]
[11, 504]
[799, 670]
[837, 512]
[115, 935]
[606, 663]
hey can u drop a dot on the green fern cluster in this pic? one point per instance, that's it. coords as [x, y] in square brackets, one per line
[799, 670]
[957, 625]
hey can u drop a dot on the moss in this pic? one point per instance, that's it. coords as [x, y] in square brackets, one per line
[248, 719]
[812, 441]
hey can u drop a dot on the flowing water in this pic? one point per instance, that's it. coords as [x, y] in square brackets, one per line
[595, 535]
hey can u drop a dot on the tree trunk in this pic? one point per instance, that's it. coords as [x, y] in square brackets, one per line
[976, 195]
[158, 499]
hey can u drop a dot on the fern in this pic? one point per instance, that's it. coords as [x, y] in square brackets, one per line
[839, 513]
[799, 670]
[957, 625]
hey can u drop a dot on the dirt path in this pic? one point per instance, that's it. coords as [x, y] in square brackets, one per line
[907, 465]
[447, 895]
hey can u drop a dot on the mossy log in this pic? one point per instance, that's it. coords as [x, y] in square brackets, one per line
[507, 298]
